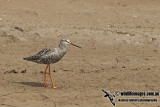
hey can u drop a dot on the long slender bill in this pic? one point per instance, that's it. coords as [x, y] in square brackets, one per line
[75, 45]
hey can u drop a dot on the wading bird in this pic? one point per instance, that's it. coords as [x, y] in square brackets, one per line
[51, 55]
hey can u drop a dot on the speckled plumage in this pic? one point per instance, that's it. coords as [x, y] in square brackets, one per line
[49, 55]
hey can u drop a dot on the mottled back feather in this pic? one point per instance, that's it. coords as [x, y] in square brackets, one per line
[48, 55]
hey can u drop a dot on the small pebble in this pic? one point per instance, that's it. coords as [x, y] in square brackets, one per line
[149, 68]
[24, 71]
[19, 28]
[82, 70]
[123, 67]
[154, 39]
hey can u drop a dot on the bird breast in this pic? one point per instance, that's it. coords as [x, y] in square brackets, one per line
[56, 55]
[61, 53]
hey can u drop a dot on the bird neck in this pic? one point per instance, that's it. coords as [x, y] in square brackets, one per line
[62, 46]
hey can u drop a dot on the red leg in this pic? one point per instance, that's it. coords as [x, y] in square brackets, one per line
[45, 76]
[51, 78]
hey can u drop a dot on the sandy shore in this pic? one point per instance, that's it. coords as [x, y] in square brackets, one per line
[121, 46]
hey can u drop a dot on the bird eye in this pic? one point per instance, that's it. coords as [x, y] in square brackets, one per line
[66, 41]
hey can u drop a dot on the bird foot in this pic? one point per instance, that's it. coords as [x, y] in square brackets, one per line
[55, 87]
[46, 86]
[51, 87]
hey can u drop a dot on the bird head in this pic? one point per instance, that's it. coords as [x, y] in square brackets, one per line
[67, 42]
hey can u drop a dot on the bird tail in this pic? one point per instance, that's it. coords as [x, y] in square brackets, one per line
[27, 58]
[31, 58]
